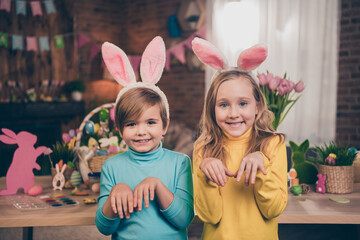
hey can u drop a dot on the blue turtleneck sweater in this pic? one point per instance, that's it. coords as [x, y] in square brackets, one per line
[130, 167]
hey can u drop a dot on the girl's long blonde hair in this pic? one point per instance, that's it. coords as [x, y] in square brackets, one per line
[210, 143]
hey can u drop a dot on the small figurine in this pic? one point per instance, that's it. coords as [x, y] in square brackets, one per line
[320, 186]
[296, 190]
[59, 179]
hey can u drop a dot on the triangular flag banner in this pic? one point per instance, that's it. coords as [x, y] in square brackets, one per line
[167, 62]
[135, 62]
[59, 41]
[188, 41]
[44, 44]
[179, 52]
[95, 49]
[50, 6]
[31, 44]
[82, 40]
[17, 42]
[21, 7]
[5, 5]
[36, 8]
[3, 39]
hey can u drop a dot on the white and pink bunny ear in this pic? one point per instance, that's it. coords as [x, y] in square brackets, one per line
[208, 53]
[118, 64]
[153, 61]
[252, 57]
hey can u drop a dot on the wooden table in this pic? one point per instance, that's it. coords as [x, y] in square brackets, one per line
[311, 208]
[62, 216]
[318, 208]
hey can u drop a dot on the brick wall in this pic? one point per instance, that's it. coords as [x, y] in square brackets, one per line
[348, 99]
[131, 25]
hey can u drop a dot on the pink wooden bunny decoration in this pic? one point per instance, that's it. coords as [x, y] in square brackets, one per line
[20, 173]
[320, 187]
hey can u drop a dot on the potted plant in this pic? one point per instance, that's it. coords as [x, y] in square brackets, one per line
[62, 154]
[75, 88]
[335, 161]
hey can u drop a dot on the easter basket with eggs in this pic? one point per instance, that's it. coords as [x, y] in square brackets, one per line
[97, 138]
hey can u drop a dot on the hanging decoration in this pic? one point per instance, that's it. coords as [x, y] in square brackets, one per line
[17, 42]
[3, 39]
[31, 44]
[5, 5]
[21, 7]
[36, 8]
[49, 6]
[44, 44]
[59, 41]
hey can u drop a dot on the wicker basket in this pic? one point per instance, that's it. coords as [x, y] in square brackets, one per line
[96, 162]
[339, 179]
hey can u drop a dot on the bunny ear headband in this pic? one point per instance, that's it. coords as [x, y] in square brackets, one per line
[248, 60]
[151, 67]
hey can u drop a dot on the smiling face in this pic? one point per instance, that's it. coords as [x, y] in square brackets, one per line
[143, 134]
[235, 106]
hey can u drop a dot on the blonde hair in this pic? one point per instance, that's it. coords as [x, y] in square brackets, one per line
[210, 143]
[134, 102]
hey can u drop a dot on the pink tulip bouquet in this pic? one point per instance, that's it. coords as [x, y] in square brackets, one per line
[279, 94]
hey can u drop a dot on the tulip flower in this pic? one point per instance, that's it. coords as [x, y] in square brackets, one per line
[276, 91]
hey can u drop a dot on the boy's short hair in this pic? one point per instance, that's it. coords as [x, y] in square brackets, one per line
[134, 102]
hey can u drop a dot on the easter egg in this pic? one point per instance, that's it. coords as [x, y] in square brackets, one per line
[89, 127]
[104, 115]
[92, 143]
[66, 138]
[75, 178]
[72, 133]
[35, 190]
[97, 127]
[95, 187]
[296, 190]
[112, 114]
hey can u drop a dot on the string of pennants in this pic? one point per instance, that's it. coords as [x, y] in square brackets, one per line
[178, 51]
[42, 43]
[20, 6]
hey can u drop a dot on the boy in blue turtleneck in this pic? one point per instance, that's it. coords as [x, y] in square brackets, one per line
[146, 192]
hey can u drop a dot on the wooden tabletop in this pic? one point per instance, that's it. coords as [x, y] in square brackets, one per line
[81, 214]
[318, 208]
[308, 208]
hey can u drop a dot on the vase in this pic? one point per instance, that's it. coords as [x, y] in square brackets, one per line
[339, 179]
[76, 96]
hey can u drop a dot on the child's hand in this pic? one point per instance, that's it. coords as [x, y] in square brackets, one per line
[250, 164]
[121, 198]
[143, 190]
[215, 171]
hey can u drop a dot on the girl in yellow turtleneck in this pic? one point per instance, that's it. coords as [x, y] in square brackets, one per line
[239, 162]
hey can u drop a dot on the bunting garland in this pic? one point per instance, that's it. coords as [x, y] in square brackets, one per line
[36, 9]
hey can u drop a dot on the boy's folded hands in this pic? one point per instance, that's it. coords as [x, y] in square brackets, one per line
[124, 201]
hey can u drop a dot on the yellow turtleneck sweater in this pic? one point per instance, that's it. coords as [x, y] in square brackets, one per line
[237, 211]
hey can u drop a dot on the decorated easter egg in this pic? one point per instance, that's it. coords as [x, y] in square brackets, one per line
[97, 127]
[95, 187]
[296, 190]
[89, 127]
[75, 178]
[92, 143]
[66, 138]
[35, 190]
[72, 133]
[104, 115]
[112, 114]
